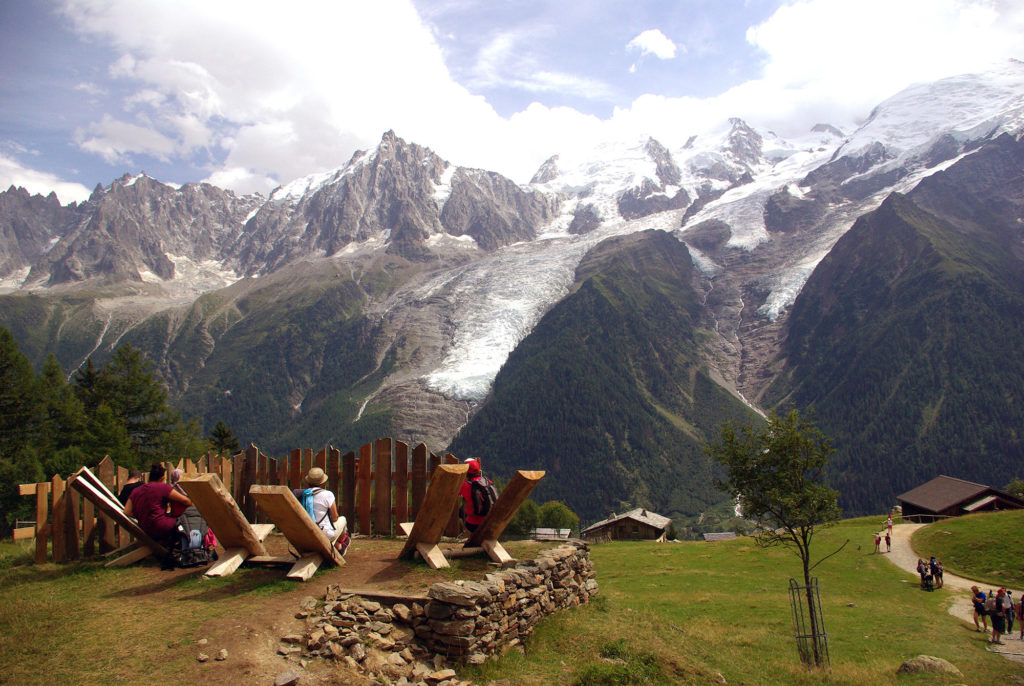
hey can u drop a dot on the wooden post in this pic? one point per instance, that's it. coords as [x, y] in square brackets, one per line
[237, 477]
[201, 465]
[239, 539]
[71, 523]
[307, 460]
[486, 535]
[88, 528]
[426, 530]
[333, 470]
[401, 482]
[107, 534]
[295, 469]
[454, 527]
[123, 537]
[348, 488]
[364, 485]
[42, 491]
[419, 478]
[252, 456]
[58, 513]
[382, 487]
[321, 459]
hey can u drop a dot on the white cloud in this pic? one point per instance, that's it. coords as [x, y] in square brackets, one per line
[115, 140]
[282, 90]
[13, 173]
[653, 42]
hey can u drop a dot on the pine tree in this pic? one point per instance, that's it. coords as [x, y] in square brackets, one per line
[223, 441]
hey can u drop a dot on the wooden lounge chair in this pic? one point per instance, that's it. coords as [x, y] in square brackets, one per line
[486, 535]
[95, 491]
[425, 533]
[242, 541]
[288, 515]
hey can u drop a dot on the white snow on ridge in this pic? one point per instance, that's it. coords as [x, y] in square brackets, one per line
[443, 189]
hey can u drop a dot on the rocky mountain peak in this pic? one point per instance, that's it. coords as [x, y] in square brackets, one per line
[547, 171]
[667, 170]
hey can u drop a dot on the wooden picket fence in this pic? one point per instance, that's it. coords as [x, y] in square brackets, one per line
[377, 487]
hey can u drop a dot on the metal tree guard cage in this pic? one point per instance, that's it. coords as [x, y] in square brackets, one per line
[809, 624]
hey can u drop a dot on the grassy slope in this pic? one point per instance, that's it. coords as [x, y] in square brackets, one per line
[983, 547]
[666, 614]
[701, 609]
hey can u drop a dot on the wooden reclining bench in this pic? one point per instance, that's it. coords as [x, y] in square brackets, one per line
[96, 492]
[242, 541]
[501, 513]
[425, 533]
[288, 515]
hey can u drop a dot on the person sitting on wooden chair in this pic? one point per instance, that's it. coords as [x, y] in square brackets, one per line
[478, 495]
[322, 506]
[149, 504]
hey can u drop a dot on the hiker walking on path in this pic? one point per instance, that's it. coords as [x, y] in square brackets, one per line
[878, 542]
[888, 542]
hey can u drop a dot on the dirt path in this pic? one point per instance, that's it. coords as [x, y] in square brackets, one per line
[957, 587]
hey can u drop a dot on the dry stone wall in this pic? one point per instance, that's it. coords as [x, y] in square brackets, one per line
[420, 638]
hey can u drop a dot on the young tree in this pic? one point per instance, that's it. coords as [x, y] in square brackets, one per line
[777, 474]
[222, 440]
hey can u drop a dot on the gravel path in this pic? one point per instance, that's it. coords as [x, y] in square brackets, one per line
[956, 587]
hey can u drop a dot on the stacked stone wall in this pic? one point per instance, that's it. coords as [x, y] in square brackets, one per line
[456, 622]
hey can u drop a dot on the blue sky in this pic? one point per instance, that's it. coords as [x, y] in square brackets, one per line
[251, 94]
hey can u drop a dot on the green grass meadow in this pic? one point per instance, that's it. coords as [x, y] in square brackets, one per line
[684, 613]
[985, 547]
[690, 612]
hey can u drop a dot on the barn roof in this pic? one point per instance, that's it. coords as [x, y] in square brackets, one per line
[943, 492]
[639, 514]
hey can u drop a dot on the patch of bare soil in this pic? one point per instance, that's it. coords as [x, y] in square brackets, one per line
[251, 629]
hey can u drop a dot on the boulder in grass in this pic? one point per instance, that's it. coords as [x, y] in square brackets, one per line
[928, 663]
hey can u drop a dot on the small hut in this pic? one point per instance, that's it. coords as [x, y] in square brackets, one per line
[635, 525]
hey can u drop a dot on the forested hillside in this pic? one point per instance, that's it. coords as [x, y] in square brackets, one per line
[610, 393]
[906, 339]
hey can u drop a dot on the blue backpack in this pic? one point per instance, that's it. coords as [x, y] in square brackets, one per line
[307, 503]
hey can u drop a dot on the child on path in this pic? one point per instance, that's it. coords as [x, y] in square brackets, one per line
[878, 542]
[978, 600]
[888, 543]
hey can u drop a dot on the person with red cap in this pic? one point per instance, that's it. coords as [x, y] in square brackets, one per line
[478, 494]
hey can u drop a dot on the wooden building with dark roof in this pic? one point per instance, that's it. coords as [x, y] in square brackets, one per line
[635, 525]
[946, 496]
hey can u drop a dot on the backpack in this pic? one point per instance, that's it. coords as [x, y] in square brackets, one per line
[484, 495]
[307, 503]
[193, 530]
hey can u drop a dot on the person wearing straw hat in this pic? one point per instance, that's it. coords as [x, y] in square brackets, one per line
[323, 508]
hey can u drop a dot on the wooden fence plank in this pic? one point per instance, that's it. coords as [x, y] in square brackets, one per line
[71, 523]
[321, 459]
[237, 476]
[401, 482]
[454, 527]
[348, 488]
[108, 536]
[88, 528]
[419, 479]
[295, 469]
[42, 500]
[123, 537]
[252, 454]
[333, 470]
[58, 514]
[363, 486]
[382, 487]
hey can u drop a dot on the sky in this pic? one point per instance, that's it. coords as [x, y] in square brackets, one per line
[251, 94]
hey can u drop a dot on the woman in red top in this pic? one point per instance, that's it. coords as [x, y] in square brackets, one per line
[149, 503]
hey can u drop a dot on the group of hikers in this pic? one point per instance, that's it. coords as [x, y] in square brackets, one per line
[998, 606]
[166, 514]
[931, 573]
[164, 511]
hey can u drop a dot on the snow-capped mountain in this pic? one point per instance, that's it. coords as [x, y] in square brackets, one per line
[465, 262]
